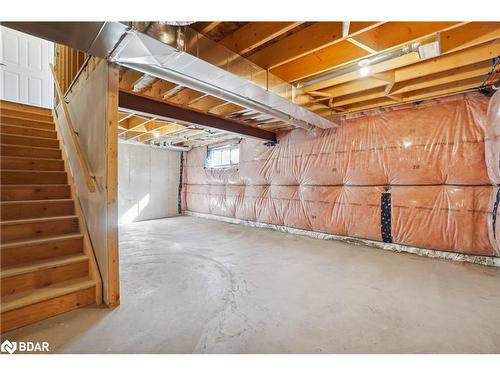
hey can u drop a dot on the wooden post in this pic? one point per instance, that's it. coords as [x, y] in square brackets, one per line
[113, 297]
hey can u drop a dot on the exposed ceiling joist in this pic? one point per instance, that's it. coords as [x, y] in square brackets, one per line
[361, 45]
[457, 74]
[409, 66]
[205, 27]
[392, 34]
[308, 40]
[410, 58]
[450, 61]
[427, 93]
[468, 35]
[134, 123]
[185, 96]
[320, 61]
[339, 54]
[255, 34]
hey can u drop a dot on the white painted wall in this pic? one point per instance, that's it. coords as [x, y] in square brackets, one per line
[148, 182]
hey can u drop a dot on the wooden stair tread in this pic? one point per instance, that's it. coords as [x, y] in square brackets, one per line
[34, 201]
[24, 146]
[28, 127]
[25, 119]
[41, 240]
[28, 136]
[30, 158]
[37, 220]
[32, 296]
[39, 265]
[26, 114]
[32, 185]
[31, 171]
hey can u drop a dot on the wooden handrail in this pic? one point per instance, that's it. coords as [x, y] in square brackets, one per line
[89, 179]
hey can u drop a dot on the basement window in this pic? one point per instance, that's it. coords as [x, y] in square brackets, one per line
[223, 156]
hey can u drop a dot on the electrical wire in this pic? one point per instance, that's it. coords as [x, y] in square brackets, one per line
[492, 72]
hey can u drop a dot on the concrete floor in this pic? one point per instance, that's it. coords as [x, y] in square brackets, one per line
[192, 285]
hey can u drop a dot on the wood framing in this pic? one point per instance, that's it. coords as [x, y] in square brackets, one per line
[313, 49]
[113, 291]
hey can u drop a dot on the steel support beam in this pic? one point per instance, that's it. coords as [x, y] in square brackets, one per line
[140, 104]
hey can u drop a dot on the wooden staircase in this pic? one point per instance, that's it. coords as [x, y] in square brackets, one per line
[45, 262]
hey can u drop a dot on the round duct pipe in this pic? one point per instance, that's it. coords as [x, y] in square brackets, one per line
[170, 147]
[413, 47]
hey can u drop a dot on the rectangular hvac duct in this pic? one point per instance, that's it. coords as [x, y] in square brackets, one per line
[136, 50]
[141, 52]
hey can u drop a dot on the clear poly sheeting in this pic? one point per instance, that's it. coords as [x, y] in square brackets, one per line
[491, 129]
[430, 158]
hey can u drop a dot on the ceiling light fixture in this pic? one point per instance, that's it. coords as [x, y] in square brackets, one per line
[364, 71]
[365, 67]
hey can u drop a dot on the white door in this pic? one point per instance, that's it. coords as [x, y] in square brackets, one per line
[25, 75]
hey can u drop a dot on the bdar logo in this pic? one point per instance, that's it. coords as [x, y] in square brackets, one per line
[8, 347]
[24, 346]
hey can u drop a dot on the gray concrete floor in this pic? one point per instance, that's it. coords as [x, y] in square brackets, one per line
[192, 285]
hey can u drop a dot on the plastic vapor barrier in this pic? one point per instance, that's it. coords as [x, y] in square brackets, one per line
[414, 175]
[491, 129]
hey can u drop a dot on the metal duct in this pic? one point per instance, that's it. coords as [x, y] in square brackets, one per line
[367, 62]
[170, 147]
[95, 38]
[139, 51]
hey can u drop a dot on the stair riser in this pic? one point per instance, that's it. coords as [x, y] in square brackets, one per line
[33, 313]
[6, 112]
[44, 277]
[9, 139]
[29, 132]
[26, 231]
[32, 164]
[32, 253]
[28, 210]
[22, 193]
[9, 150]
[33, 178]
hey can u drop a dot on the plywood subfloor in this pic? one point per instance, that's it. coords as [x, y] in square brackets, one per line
[191, 285]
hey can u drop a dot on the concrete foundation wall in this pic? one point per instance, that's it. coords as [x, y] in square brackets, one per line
[148, 182]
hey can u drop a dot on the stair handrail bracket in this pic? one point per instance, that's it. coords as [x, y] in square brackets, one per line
[87, 174]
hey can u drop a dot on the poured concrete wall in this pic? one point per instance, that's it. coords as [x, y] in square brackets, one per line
[148, 182]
